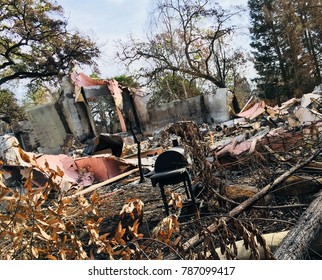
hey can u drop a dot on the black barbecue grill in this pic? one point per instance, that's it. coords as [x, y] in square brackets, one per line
[171, 169]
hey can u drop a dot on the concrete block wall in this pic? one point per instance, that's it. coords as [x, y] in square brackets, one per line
[211, 108]
[217, 106]
[47, 129]
[78, 120]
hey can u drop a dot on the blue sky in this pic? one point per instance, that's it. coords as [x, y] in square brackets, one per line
[107, 18]
[107, 21]
[110, 20]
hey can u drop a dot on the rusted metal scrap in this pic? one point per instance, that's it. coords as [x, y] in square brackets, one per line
[77, 173]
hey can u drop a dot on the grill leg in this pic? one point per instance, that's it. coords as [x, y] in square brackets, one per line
[166, 206]
[193, 199]
[186, 189]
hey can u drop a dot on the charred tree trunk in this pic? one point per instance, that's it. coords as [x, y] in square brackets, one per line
[296, 245]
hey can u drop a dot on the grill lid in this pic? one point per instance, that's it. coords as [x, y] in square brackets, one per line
[171, 160]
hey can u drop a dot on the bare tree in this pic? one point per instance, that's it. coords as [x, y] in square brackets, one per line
[188, 38]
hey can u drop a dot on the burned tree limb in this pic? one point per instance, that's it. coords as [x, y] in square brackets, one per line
[297, 242]
[196, 240]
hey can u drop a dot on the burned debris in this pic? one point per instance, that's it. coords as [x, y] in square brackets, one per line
[215, 186]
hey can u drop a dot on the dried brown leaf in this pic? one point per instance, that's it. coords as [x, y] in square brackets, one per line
[62, 254]
[95, 211]
[139, 206]
[60, 172]
[44, 234]
[127, 208]
[94, 197]
[119, 232]
[103, 237]
[51, 257]
[66, 200]
[4, 192]
[23, 155]
[176, 242]
[175, 222]
[8, 198]
[42, 222]
[34, 251]
[21, 216]
[135, 227]
[170, 231]
[28, 183]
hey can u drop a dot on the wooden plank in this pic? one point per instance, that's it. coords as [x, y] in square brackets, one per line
[104, 183]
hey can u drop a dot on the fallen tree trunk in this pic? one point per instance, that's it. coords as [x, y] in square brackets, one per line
[296, 244]
[195, 240]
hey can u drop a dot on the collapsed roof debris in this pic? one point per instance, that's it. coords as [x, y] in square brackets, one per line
[251, 177]
[77, 173]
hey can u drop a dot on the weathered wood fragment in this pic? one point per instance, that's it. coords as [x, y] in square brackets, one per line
[239, 193]
[272, 240]
[299, 185]
[314, 167]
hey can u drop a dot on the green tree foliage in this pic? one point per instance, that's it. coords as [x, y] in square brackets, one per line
[35, 42]
[9, 106]
[104, 113]
[287, 46]
[188, 38]
[126, 81]
[40, 93]
[173, 87]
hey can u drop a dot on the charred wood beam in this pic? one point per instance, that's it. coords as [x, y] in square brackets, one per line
[138, 143]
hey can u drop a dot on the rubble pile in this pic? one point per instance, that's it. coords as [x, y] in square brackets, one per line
[256, 181]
